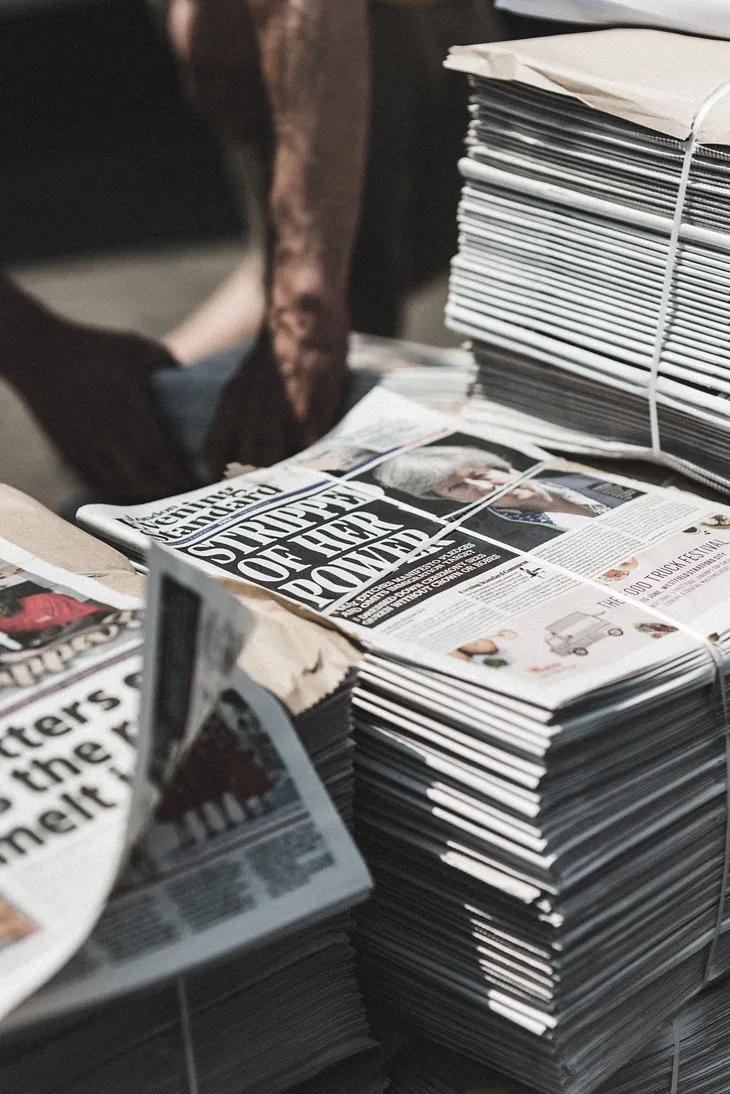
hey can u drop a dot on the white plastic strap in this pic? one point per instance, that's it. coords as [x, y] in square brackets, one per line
[662, 327]
[186, 1030]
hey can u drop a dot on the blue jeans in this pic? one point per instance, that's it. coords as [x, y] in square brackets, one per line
[187, 399]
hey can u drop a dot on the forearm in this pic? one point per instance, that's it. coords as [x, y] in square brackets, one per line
[314, 56]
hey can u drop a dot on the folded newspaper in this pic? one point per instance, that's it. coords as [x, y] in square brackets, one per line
[70, 657]
[244, 856]
[541, 746]
[568, 281]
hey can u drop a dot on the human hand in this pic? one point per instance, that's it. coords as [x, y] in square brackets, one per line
[254, 423]
[310, 336]
[528, 496]
[88, 388]
[288, 392]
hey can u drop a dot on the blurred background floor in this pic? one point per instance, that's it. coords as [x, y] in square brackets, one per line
[148, 292]
[116, 204]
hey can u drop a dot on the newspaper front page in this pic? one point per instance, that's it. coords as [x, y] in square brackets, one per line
[244, 843]
[450, 545]
[70, 661]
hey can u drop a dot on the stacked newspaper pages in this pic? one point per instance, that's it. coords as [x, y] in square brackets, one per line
[691, 1052]
[221, 961]
[575, 154]
[542, 755]
[362, 1074]
[436, 377]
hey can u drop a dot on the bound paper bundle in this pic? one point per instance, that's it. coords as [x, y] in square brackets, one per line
[594, 255]
[221, 962]
[260, 1023]
[689, 1055]
[363, 1074]
[540, 724]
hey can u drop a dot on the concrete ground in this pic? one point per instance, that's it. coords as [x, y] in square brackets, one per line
[145, 291]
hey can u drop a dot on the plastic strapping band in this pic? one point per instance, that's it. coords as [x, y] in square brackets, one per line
[191, 1068]
[662, 328]
[676, 1029]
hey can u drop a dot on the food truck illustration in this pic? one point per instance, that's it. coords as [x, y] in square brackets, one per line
[576, 633]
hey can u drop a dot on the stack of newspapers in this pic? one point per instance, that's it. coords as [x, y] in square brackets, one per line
[361, 1074]
[542, 759]
[212, 953]
[691, 1052]
[566, 281]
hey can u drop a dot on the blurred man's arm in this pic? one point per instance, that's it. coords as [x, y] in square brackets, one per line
[315, 63]
[314, 58]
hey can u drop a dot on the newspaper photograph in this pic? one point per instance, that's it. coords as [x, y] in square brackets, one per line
[382, 423]
[195, 631]
[53, 624]
[70, 651]
[244, 845]
[429, 542]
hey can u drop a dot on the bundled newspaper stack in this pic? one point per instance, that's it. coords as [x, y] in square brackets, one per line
[541, 726]
[594, 255]
[363, 1074]
[221, 960]
[689, 1055]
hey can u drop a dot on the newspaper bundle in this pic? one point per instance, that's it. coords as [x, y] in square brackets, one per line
[243, 857]
[594, 251]
[364, 1074]
[541, 749]
[689, 1056]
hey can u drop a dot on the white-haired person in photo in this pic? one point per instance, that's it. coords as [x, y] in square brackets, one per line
[467, 474]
